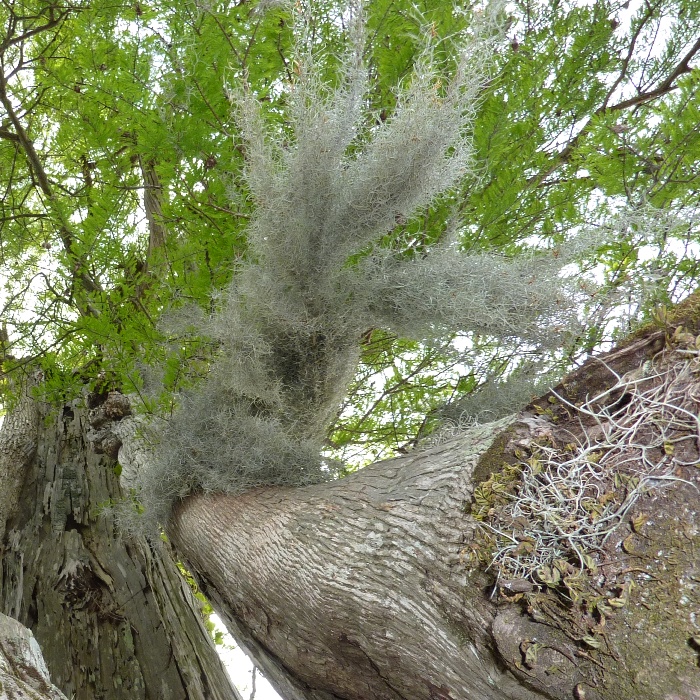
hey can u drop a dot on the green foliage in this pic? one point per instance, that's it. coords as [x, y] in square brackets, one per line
[205, 607]
[320, 271]
[578, 91]
[127, 204]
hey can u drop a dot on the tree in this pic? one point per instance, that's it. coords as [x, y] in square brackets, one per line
[334, 268]
[24, 673]
[113, 617]
[392, 600]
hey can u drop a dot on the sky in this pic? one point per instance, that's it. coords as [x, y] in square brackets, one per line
[240, 668]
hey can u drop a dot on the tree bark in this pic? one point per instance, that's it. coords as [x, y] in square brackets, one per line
[114, 617]
[367, 587]
[378, 585]
[23, 673]
[355, 589]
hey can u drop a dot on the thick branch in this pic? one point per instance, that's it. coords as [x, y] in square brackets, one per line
[649, 13]
[355, 589]
[377, 585]
[54, 20]
[152, 202]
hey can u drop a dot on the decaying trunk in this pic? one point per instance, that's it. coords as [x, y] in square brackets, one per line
[23, 673]
[114, 618]
[378, 586]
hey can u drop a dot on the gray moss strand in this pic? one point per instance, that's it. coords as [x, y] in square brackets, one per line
[290, 324]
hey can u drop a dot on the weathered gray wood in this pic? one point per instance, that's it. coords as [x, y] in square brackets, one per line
[18, 443]
[114, 617]
[23, 673]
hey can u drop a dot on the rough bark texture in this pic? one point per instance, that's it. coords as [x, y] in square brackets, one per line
[23, 673]
[365, 588]
[18, 441]
[114, 618]
[152, 202]
[357, 588]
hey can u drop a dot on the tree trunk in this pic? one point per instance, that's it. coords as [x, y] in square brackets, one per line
[23, 673]
[382, 585]
[377, 586]
[114, 618]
